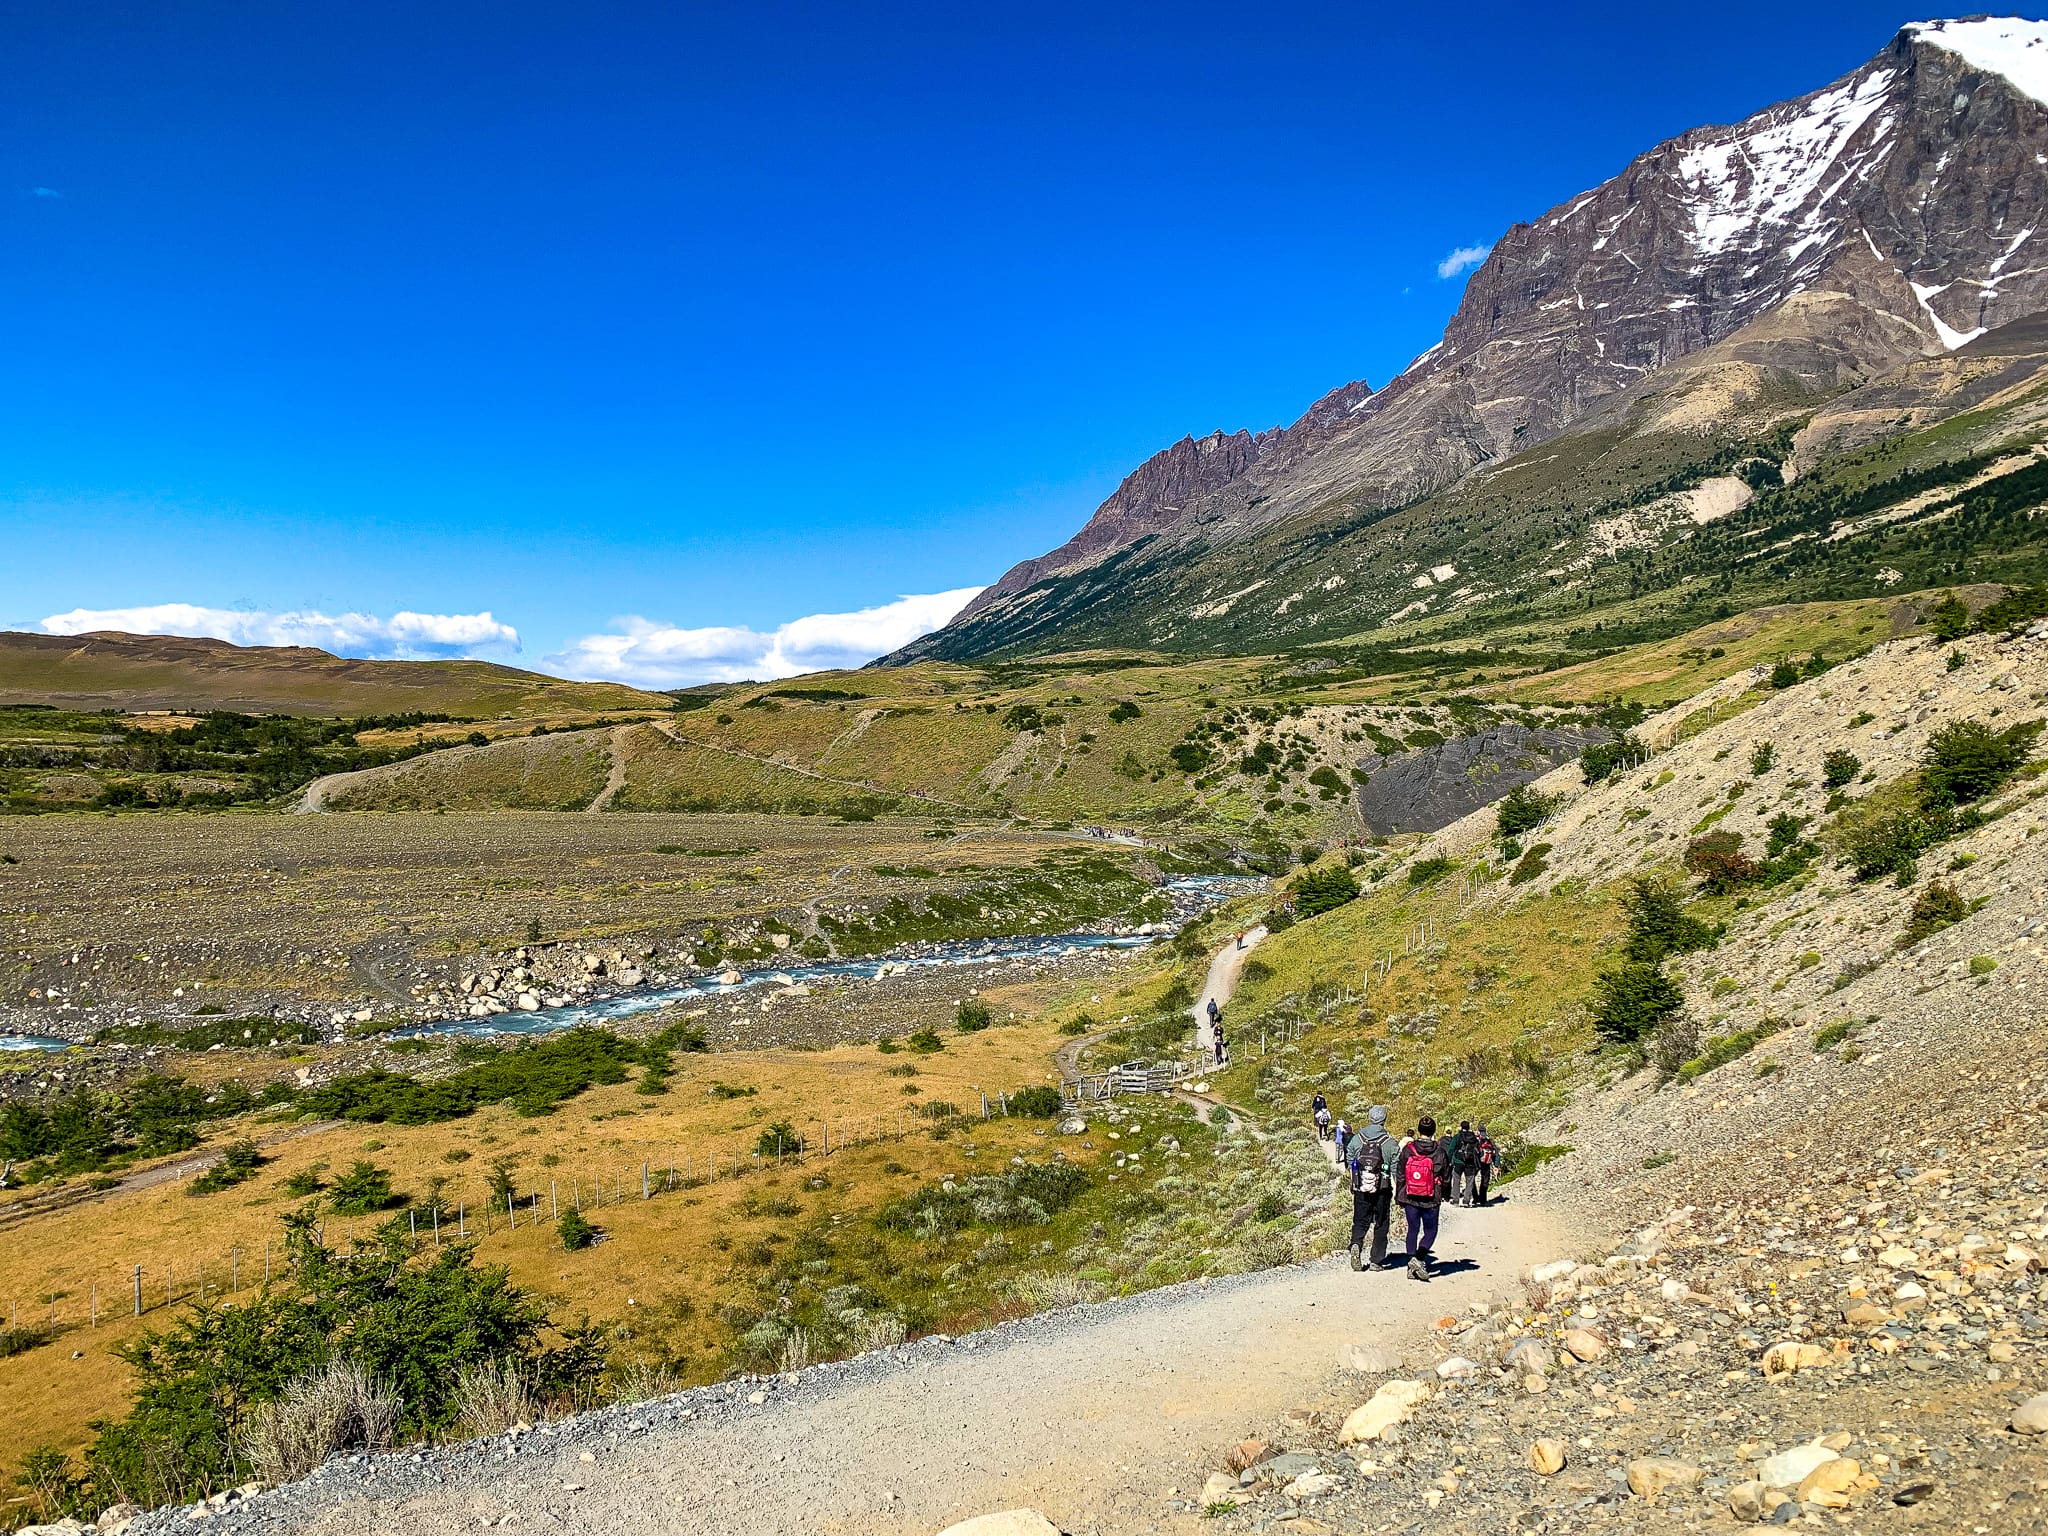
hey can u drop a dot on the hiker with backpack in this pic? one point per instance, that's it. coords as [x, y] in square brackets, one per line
[1368, 1155]
[1421, 1176]
[1319, 1108]
[1489, 1160]
[1464, 1165]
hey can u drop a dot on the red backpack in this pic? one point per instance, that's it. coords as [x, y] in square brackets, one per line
[1418, 1173]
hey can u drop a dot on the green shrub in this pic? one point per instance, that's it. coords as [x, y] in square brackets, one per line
[777, 1139]
[1040, 1101]
[1425, 871]
[19, 1340]
[306, 1181]
[1938, 907]
[413, 1317]
[1828, 1036]
[1723, 1049]
[533, 1077]
[1761, 757]
[575, 1231]
[1840, 768]
[1658, 924]
[1598, 762]
[1982, 965]
[1949, 619]
[1892, 844]
[1324, 890]
[363, 1190]
[1530, 865]
[1967, 760]
[1522, 809]
[1026, 1196]
[925, 1041]
[972, 1016]
[1632, 1000]
[239, 1161]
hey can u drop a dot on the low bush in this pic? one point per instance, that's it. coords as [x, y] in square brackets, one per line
[1839, 768]
[1936, 908]
[1723, 1049]
[1530, 865]
[972, 1016]
[1717, 860]
[533, 1078]
[1966, 760]
[238, 1162]
[1324, 890]
[925, 1041]
[1520, 810]
[364, 1190]
[575, 1230]
[333, 1409]
[409, 1317]
[1040, 1101]
[1633, 1000]
[1426, 871]
[1026, 1196]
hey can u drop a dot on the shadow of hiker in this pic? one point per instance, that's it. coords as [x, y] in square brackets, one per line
[1452, 1267]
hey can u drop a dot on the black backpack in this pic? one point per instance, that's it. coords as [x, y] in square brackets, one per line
[1369, 1169]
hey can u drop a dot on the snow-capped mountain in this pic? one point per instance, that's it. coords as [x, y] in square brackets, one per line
[1898, 212]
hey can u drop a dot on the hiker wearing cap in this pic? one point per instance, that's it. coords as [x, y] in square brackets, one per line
[1369, 1155]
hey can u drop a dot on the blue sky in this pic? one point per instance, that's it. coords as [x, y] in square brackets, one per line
[650, 330]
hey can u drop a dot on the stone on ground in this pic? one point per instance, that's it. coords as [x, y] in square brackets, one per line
[1547, 1457]
[1653, 1476]
[1394, 1403]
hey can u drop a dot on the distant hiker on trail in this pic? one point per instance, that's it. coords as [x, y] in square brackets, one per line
[1489, 1160]
[1320, 1108]
[1420, 1178]
[1464, 1165]
[1215, 1013]
[1368, 1155]
[1341, 1136]
[1222, 1052]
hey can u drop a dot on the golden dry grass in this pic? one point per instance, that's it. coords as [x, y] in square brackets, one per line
[673, 1245]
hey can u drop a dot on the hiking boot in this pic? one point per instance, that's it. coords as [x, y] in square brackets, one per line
[1357, 1256]
[1417, 1270]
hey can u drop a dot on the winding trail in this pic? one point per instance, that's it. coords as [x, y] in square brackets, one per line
[1095, 1414]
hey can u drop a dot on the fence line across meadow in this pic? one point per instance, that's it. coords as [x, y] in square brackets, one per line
[134, 1290]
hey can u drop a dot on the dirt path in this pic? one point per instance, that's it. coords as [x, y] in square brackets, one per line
[615, 780]
[1097, 1415]
[1221, 986]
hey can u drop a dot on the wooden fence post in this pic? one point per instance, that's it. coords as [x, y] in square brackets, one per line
[138, 1290]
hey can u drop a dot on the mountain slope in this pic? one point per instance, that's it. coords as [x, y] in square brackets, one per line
[131, 672]
[1784, 260]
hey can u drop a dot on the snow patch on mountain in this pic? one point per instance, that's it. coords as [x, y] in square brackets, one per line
[2000, 45]
[1771, 174]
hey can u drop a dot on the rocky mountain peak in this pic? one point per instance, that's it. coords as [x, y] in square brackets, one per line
[1892, 214]
[1152, 497]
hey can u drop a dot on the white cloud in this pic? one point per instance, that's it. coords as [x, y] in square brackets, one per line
[410, 636]
[1463, 259]
[654, 655]
[46, 192]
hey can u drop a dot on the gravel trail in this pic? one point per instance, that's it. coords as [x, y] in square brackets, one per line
[1098, 1415]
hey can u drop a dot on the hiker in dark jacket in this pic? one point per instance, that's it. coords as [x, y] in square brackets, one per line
[1370, 1157]
[1464, 1165]
[1319, 1111]
[1489, 1163]
[1420, 1179]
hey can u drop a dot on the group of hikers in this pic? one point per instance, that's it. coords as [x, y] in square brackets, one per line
[1419, 1172]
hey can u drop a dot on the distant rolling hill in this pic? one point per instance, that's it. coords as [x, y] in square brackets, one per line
[137, 672]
